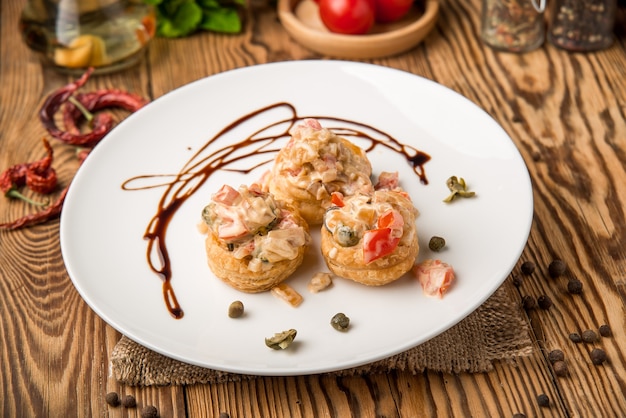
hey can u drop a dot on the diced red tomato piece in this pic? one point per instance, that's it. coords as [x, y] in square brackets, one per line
[336, 199]
[378, 243]
[390, 219]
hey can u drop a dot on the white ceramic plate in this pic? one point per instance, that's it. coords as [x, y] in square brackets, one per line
[102, 225]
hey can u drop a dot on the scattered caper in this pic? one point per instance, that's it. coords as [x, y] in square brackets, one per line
[281, 340]
[457, 187]
[346, 236]
[436, 243]
[340, 322]
[235, 309]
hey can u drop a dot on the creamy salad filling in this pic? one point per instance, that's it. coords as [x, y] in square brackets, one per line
[253, 225]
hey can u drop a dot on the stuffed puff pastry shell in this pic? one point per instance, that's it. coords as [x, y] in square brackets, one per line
[371, 238]
[315, 163]
[254, 241]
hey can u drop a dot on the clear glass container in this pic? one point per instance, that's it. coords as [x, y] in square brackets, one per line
[513, 25]
[72, 35]
[578, 25]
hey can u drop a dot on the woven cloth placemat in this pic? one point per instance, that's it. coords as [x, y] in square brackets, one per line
[496, 331]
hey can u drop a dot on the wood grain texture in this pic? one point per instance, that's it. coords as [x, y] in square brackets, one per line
[564, 111]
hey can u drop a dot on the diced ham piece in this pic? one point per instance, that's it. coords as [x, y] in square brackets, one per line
[226, 195]
[435, 277]
[387, 181]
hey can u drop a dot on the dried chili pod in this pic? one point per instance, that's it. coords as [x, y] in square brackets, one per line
[101, 123]
[40, 176]
[51, 212]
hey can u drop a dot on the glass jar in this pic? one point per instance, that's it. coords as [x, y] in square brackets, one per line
[577, 25]
[72, 35]
[513, 25]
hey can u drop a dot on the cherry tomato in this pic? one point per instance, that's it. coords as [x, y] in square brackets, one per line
[391, 10]
[378, 243]
[350, 17]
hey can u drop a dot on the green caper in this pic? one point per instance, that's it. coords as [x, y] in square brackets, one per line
[235, 310]
[436, 243]
[340, 322]
[281, 340]
[346, 236]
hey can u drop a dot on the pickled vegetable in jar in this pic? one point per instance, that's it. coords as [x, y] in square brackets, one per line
[73, 35]
[513, 25]
[577, 25]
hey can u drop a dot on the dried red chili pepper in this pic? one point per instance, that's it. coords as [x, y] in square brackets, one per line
[100, 125]
[38, 175]
[51, 212]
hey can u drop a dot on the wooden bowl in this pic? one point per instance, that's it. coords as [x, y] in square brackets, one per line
[301, 20]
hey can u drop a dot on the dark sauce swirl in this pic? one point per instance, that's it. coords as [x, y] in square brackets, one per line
[212, 157]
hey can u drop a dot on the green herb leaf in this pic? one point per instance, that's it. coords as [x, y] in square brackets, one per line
[176, 18]
[221, 20]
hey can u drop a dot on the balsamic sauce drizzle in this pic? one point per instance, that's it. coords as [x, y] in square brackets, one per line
[206, 161]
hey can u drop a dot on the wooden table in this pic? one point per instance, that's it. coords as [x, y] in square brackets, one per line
[565, 112]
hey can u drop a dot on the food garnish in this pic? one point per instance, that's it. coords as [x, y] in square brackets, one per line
[281, 340]
[435, 277]
[436, 243]
[40, 176]
[235, 309]
[457, 187]
[340, 322]
[288, 294]
[319, 281]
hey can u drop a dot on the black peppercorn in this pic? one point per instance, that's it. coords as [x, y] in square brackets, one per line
[129, 401]
[149, 412]
[556, 355]
[224, 415]
[560, 368]
[598, 356]
[544, 302]
[574, 286]
[543, 400]
[519, 415]
[528, 267]
[590, 336]
[605, 330]
[528, 302]
[112, 398]
[517, 280]
[556, 268]
[575, 337]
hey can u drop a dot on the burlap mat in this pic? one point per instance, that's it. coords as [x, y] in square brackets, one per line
[496, 331]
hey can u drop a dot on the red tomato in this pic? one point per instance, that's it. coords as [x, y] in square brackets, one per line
[336, 199]
[350, 17]
[391, 10]
[378, 243]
